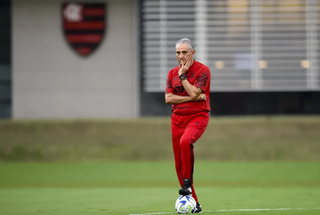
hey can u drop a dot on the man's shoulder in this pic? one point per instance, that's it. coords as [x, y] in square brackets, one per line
[175, 69]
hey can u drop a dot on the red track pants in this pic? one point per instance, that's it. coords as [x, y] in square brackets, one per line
[186, 130]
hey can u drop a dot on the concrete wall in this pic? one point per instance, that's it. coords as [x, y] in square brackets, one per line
[51, 81]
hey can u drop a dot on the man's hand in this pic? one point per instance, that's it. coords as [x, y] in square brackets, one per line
[202, 96]
[185, 66]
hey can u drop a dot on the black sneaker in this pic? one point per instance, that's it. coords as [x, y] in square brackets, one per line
[186, 188]
[185, 191]
[198, 208]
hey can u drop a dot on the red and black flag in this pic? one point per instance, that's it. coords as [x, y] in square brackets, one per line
[84, 25]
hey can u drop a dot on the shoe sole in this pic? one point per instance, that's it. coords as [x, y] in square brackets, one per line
[184, 193]
[198, 211]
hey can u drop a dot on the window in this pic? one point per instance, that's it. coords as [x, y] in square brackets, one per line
[249, 45]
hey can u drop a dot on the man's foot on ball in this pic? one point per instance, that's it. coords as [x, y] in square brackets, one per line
[198, 208]
[185, 191]
[186, 188]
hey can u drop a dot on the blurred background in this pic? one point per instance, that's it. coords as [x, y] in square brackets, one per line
[63, 61]
[84, 81]
[109, 59]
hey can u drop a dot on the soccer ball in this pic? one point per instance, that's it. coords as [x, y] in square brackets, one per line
[185, 205]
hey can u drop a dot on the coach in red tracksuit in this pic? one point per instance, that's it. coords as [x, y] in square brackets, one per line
[188, 90]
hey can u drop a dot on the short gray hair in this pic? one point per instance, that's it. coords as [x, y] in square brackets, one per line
[185, 40]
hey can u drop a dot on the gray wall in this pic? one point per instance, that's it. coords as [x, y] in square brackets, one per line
[51, 81]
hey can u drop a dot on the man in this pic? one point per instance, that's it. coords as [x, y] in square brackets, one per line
[188, 90]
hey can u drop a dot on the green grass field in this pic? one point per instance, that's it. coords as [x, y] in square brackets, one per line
[244, 165]
[226, 138]
[123, 188]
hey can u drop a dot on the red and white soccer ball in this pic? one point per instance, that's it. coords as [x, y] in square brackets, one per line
[185, 205]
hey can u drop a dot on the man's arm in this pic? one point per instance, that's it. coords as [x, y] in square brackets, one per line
[192, 91]
[175, 99]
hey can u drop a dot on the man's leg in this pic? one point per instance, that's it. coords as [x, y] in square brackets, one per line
[177, 131]
[192, 133]
[177, 157]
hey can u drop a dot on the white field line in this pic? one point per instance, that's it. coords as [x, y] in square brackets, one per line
[230, 210]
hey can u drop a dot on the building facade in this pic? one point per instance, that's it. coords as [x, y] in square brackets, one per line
[263, 56]
[51, 80]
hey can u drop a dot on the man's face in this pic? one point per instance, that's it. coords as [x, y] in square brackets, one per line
[184, 53]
